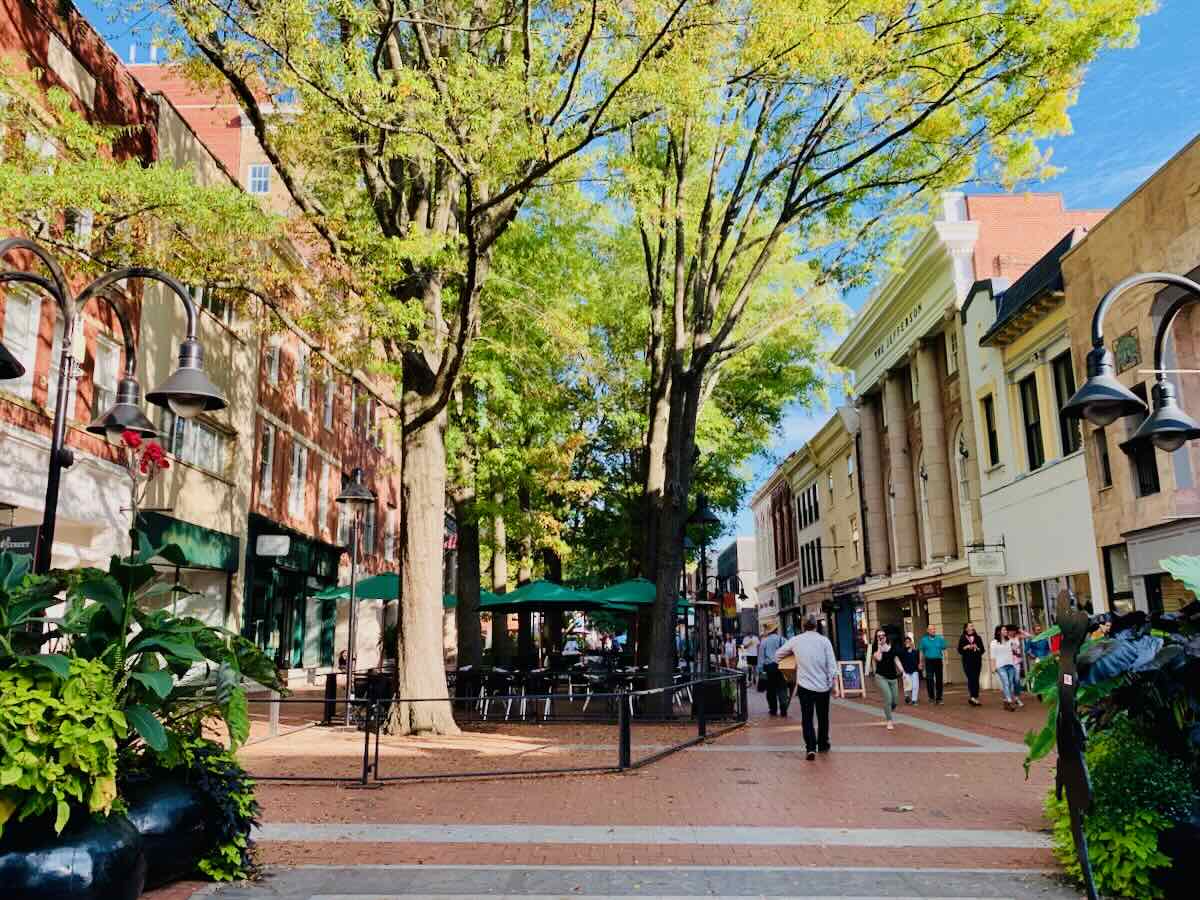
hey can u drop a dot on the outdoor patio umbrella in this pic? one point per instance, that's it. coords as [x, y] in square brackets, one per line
[384, 586]
[547, 595]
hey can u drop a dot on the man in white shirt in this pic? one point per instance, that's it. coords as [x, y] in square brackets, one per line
[750, 648]
[816, 673]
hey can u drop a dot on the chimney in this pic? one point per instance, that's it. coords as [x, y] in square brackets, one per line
[133, 54]
[153, 53]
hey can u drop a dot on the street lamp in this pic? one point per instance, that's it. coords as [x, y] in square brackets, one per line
[356, 497]
[186, 392]
[704, 517]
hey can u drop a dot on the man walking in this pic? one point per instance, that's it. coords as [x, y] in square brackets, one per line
[816, 672]
[933, 650]
[777, 689]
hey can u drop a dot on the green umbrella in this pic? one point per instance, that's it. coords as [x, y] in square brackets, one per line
[635, 592]
[384, 586]
[486, 600]
[547, 595]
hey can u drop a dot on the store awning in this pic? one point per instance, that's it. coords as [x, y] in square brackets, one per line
[203, 547]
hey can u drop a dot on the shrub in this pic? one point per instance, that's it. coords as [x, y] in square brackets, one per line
[1138, 792]
[59, 738]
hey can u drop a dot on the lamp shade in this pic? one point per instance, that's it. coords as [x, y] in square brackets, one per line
[188, 391]
[124, 415]
[1102, 399]
[356, 494]
[10, 366]
[1168, 426]
[702, 514]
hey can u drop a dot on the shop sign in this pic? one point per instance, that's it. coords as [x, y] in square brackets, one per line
[273, 545]
[928, 590]
[987, 562]
[1127, 351]
[22, 539]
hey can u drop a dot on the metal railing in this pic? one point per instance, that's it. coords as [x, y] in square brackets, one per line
[690, 704]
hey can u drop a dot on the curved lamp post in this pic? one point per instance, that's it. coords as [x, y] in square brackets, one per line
[356, 497]
[187, 392]
[704, 517]
[1102, 400]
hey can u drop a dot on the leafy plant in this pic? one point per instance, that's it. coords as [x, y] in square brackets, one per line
[24, 599]
[1138, 793]
[59, 737]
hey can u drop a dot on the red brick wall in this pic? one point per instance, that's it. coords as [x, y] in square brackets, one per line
[1016, 230]
[213, 114]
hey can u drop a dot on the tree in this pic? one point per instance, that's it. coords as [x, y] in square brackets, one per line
[409, 135]
[798, 143]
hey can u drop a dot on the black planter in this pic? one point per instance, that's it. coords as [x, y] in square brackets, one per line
[175, 824]
[1182, 844]
[93, 859]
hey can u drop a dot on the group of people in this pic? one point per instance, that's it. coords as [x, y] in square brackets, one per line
[898, 671]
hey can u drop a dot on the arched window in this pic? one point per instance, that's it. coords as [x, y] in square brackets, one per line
[962, 486]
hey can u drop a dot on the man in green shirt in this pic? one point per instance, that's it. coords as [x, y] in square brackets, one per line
[933, 648]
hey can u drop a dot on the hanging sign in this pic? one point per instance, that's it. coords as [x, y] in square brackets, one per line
[928, 590]
[273, 545]
[729, 605]
[22, 539]
[987, 562]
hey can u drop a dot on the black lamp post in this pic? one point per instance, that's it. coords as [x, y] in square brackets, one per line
[704, 517]
[1102, 400]
[356, 497]
[187, 392]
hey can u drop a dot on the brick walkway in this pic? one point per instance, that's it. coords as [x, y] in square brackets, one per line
[942, 798]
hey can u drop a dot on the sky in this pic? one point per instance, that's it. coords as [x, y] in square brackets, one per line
[1136, 109]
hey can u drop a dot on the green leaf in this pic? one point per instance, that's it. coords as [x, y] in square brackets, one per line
[64, 814]
[106, 592]
[237, 717]
[131, 578]
[160, 682]
[56, 663]
[146, 725]
[183, 649]
[13, 567]
[1185, 569]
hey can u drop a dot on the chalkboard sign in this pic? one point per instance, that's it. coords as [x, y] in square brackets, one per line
[850, 678]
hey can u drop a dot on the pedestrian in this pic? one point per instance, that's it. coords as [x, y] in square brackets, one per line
[1016, 636]
[885, 662]
[970, 648]
[778, 693]
[730, 650]
[910, 659]
[933, 651]
[750, 646]
[816, 673]
[1004, 666]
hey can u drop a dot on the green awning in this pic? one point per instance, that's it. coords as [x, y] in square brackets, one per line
[635, 592]
[384, 586]
[202, 547]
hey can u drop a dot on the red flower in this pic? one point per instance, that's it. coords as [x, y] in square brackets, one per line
[145, 466]
[154, 451]
[131, 439]
[163, 464]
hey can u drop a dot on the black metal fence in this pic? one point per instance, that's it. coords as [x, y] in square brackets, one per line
[701, 708]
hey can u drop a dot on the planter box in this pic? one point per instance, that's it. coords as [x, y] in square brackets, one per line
[93, 859]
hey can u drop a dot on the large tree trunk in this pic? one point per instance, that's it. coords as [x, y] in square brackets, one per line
[554, 619]
[419, 651]
[670, 512]
[466, 612]
[654, 474]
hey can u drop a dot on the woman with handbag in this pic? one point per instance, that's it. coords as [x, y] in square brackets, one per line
[885, 661]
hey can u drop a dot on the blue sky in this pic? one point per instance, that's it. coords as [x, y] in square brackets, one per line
[1136, 109]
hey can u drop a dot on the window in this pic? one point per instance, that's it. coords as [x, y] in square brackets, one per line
[951, 352]
[22, 317]
[266, 463]
[194, 442]
[830, 474]
[914, 383]
[1032, 418]
[210, 300]
[368, 542]
[323, 498]
[274, 351]
[104, 374]
[389, 535]
[1064, 389]
[1102, 461]
[343, 518]
[1142, 459]
[78, 227]
[302, 380]
[989, 427]
[298, 480]
[260, 179]
[833, 545]
[849, 474]
[330, 392]
[854, 536]
[55, 372]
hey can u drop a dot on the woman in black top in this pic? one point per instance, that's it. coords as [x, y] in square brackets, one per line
[888, 671]
[970, 648]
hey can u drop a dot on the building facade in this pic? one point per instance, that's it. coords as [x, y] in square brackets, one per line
[1032, 474]
[1145, 505]
[920, 470]
[812, 587]
[738, 560]
[776, 547]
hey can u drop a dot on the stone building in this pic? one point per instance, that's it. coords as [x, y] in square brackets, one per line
[812, 587]
[1033, 476]
[1145, 505]
[920, 471]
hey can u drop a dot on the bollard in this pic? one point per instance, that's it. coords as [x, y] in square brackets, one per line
[330, 699]
[701, 722]
[624, 745]
[744, 698]
[366, 764]
[274, 720]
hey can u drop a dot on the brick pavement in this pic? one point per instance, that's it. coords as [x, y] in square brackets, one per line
[952, 767]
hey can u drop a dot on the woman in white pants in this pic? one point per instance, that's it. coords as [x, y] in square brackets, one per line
[910, 657]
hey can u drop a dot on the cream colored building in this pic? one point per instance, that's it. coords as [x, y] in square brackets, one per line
[775, 544]
[1145, 507]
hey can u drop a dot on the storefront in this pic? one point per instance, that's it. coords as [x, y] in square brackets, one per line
[846, 616]
[206, 582]
[1031, 604]
[284, 569]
